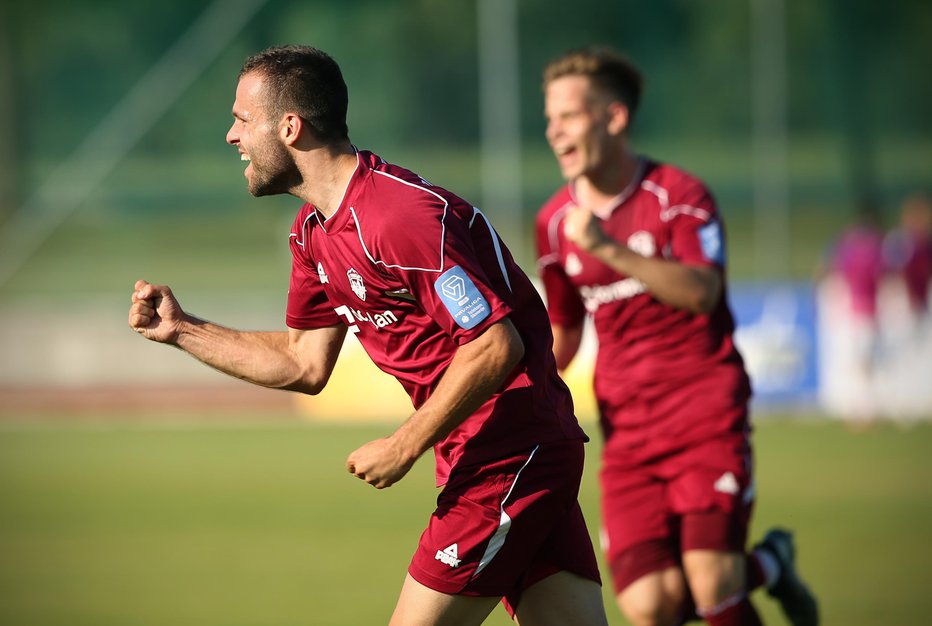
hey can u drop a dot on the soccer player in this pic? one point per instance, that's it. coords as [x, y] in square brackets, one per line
[423, 281]
[638, 245]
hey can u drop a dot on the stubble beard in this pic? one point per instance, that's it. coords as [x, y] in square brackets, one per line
[278, 173]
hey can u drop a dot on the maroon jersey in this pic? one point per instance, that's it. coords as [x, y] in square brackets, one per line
[415, 272]
[665, 378]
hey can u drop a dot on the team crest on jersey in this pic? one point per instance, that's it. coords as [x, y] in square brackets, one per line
[643, 243]
[572, 266]
[355, 281]
[321, 273]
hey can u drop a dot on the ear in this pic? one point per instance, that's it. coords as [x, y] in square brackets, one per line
[289, 129]
[617, 117]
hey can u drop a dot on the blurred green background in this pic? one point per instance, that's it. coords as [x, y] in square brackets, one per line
[791, 110]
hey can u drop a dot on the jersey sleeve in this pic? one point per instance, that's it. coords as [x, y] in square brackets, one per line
[697, 233]
[308, 306]
[564, 305]
[442, 261]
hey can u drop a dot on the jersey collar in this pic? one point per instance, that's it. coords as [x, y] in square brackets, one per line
[606, 209]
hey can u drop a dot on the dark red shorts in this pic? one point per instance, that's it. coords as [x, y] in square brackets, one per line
[698, 499]
[503, 526]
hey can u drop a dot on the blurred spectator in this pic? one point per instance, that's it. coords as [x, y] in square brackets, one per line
[908, 252]
[850, 279]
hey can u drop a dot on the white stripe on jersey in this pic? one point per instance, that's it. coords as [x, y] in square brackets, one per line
[504, 524]
[553, 236]
[443, 229]
[495, 243]
[299, 237]
[668, 212]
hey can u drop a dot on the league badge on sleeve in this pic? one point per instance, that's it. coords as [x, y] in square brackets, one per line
[461, 297]
[710, 238]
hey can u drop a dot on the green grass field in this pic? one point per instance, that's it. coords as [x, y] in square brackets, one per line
[254, 522]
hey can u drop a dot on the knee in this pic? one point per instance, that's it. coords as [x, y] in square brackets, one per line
[714, 581]
[666, 609]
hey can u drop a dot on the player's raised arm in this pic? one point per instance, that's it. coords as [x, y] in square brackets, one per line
[692, 287]
[297, 360]
[477, 371]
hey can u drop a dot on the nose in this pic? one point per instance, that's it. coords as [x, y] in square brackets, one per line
[232, 137]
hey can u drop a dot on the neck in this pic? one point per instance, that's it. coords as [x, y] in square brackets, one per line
[325, 174]
[612, 178]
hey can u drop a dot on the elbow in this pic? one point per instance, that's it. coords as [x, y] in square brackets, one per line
[309, 384]
[704, 304]
[705, 294]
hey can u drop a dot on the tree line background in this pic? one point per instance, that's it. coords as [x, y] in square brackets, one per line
[858, 99]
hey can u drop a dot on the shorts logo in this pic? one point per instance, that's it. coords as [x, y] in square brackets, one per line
[727, 483]
[355, 281]
[449, 556]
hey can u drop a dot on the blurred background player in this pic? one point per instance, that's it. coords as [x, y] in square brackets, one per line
[908, 251]
[850, 280]
[639, 246]
[436, 299]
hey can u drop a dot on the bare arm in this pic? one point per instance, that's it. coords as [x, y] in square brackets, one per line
[476, 372]
[298, 360]
[566, 342]
[694, 288]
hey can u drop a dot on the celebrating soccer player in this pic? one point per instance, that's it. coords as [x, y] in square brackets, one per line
[436, 299]
[639, 246]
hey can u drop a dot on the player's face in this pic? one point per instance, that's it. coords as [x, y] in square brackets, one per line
[577, 126]
[271, 168]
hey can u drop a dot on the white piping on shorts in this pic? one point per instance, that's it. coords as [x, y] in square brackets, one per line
[504, 523]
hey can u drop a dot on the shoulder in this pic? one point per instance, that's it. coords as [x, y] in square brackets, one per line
[396, 196]
[404, 220]
[304, 222]
[673, 178]
[554, 208]
[678, 192]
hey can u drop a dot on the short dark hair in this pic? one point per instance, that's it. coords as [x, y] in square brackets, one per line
[610, 72]
[307, 81]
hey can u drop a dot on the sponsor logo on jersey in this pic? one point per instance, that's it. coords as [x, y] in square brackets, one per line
[596, 295]
[573, 265]
[643, 243]
[449, 556]
[355, 281]
[321, 274]
[727, 483]
[461, 297]
[353, 316]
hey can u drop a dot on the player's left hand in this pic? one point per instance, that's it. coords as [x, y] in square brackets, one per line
[380, 463]
[584, 229]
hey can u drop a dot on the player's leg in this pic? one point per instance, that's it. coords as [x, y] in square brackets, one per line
[717, 582]
[784, 583]
[563, 599]
[641, 544]
[421, 606]
[656, 599]
[562, 585]
[713, 492]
